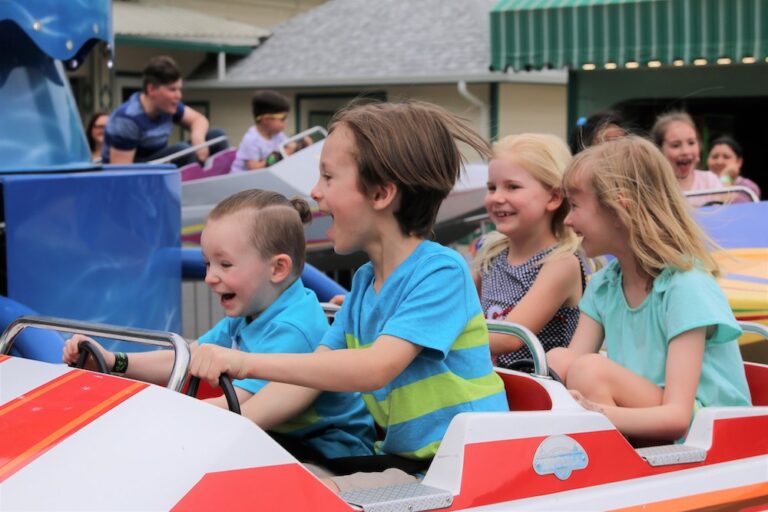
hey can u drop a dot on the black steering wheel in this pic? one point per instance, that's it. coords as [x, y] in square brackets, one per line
[526, 366]
[88, 348]
[226, 386]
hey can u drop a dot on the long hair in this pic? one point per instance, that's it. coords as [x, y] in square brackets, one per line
[634, 183]
[413, 145]
[276, 223]
[545, 157]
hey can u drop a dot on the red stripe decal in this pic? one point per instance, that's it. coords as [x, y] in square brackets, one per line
[4, 357]
[502, 471]
[35, 422]
[280, 487]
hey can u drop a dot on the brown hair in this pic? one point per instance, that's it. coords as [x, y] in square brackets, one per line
[414, 146]
[634, 182]
[659, 129]
[276, 222]
[160, 70]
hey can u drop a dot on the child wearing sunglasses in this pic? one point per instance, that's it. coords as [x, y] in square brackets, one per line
[261, 143]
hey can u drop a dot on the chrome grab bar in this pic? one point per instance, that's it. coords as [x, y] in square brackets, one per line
[724, 190]
[300, 136]
[754, 328]
[530, 340]
[191, 149]
[143, 336]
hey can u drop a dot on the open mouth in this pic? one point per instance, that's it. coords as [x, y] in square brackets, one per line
[227, 297]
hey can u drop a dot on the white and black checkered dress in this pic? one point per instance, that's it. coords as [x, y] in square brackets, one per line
[504, 285]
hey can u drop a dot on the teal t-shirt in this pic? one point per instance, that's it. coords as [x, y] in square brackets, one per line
[430, 301]
[638, 338]
[337, 424]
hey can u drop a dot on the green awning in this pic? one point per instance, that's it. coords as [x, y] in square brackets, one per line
[589, 34]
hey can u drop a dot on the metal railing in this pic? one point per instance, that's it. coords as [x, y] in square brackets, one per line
[142, 336]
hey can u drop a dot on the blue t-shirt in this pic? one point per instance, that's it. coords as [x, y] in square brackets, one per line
[638, 338]
[430, 301]
[129, 127]
[336, 424]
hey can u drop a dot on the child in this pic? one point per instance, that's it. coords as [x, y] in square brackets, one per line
[384, 170]
[669, 332]
[270, 110]
[676, 135]
[527, 271]
[253, 244]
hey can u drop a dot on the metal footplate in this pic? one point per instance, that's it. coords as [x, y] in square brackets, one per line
[672, 454]
[405, 497]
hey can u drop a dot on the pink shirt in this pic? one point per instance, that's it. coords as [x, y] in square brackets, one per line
[705, 180]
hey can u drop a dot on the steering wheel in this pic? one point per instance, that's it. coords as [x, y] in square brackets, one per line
[88, 348]
[226, 386]
[526, 366]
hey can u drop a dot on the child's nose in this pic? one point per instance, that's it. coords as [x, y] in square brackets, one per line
[315, 193]
[210, 277]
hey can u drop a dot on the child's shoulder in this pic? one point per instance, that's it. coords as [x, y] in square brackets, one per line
[689, 280]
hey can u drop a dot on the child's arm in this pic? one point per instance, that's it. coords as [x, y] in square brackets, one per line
[586, 340]
[558, 281]
[328, 370]
[277, 403]
[637, 410]
[154, 367]
[252, 165]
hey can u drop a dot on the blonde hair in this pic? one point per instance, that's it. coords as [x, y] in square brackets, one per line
[634, 183]
[276, 223]
[545, 157]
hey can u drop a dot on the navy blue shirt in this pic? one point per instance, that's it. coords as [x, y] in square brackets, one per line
[130, 128]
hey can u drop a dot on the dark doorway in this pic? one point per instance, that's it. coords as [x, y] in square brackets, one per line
[743, 118]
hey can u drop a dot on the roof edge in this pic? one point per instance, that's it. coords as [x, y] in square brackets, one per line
[550, 77]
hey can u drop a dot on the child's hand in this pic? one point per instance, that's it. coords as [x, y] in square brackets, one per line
[337, 299]
[70, 352]
[210, 361]
[587, 404]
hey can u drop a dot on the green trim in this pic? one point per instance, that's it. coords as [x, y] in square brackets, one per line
[573, 101]
[529, 34]
[299, 97]
[175, 44]
[493, 129]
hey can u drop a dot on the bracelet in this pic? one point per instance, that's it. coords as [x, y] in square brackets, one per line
[121, 363]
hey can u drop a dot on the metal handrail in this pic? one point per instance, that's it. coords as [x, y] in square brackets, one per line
[530, 340]
[190, 149]
[143, 336]
[299, 136]
[724, 190]
[754, 328]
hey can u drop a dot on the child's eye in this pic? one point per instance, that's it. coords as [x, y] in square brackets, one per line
[226, 264]
[491, 188]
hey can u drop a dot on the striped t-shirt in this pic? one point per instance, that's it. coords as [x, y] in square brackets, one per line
[430, 301]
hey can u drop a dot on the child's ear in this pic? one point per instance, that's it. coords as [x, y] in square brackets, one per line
[556, 199]
[383, 195]
[282, 265]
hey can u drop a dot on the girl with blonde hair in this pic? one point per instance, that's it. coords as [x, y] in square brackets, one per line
[667, 327]
[527, 271]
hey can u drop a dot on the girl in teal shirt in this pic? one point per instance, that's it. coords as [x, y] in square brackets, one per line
[670, 335]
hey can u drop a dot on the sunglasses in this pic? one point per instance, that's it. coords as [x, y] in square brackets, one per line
[280, 117]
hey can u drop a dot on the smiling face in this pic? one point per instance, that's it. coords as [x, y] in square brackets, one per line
[235, 270]
[338, 193]
[681, 147]
[165, 98]
[600, 231]
[722, 157]
[517, 203]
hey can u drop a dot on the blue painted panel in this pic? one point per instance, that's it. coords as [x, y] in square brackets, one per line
[99, 246]
[61, 28]
[736, 226]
